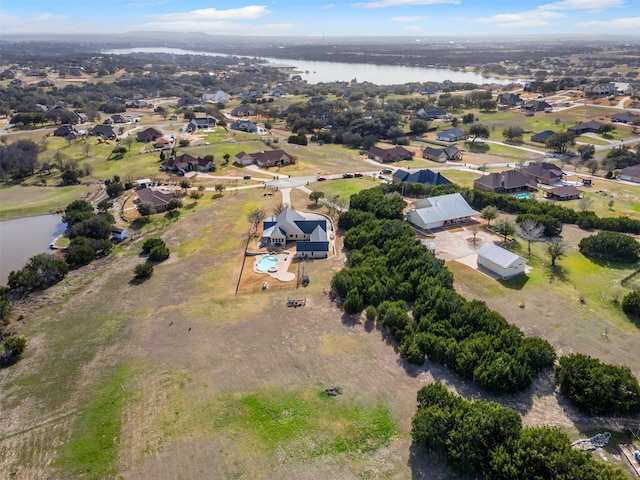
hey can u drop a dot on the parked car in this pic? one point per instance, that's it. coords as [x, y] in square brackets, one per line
[347, 175]
[357, 175]
[321, 179]
[247, 177]
[387, 171]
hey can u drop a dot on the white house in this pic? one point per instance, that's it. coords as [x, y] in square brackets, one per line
[500, 261]
[311, 236]
[216, 97]
[437, 212]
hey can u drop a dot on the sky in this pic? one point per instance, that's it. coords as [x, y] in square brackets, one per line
[325, 18]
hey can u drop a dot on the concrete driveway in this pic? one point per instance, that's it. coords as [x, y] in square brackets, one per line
[453, 243]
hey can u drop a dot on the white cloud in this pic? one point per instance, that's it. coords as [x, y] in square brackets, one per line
[594, 5]
[47, 17]
[531, 18]
[632, 23]
[414, 29]
[213, 14]
[408, 19]
[402, 3]
[328, 6]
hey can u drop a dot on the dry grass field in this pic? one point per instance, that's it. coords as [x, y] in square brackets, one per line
[180, 378]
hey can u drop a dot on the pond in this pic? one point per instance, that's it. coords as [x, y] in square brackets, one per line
[22, 238]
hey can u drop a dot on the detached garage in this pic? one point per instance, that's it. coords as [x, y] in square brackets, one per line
[500, 261]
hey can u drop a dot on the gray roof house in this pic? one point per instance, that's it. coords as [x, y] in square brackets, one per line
[542, 137]
[451, 135]
[199, 123]
[244, 126]
[266, 159]
[310, 235]
[429, 113]
[424, 177]
[591, 126]
[509, 181]
[543, 172]
[440, 211]
[442, 155]
[502, 262]
[631, 174]
[624, 117]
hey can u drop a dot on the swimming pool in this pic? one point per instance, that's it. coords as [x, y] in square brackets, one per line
[266, 263]
[523, 195]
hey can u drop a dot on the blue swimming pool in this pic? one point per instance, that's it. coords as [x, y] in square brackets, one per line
[523, 195]
[266, 262]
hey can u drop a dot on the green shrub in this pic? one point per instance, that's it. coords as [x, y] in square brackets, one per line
[598, 388]
[159, 253]
[150, 243]
[631, 303]
[143, 271]
[613, 246]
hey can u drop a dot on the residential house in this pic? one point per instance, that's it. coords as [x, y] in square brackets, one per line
[244, 126]
[591, 126]
[186, 163]
[200, 123]
[117, 118]
[500, 261]
[442, 155]
[624, 117]
[106, 131]
[386, 155]
[451, 135]
[149, 135]
[266, 159]
[565, 192]
[536, 105]
[81, 117]
[429, 90]
[509, 181]
[163, 142]
[543, 172]
[510, 99]
[603, 90]
[65, 130]
[243, 111]
[430, 113]
[159, 199]
[631, 174]
[440, 211]
[542, 137]
[216, 97]
[249, 94]
[423, 176]
[310, 235]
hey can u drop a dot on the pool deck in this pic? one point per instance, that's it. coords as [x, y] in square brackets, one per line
[284, 262]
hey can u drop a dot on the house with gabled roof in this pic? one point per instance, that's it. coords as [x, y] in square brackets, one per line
[631, 174]
[536, 105]
[386, 155]
[149, 135]
[565, 192]
[430, 113]
[592, 126]
[451, 135]
[244, 126]
[423, 176]
[243, 111]
[624, 117]
[106, 131]
[440, 211]
[502, 262]
[266, 159]
[510, 99]
[159, 199]
[542, 137]
[509, 181]
[310, 235]
[65, 130]
[200, 123]
[543, 172]
[442, 155]
[186, 163]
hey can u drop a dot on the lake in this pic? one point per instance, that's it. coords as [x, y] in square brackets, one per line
[323, 72]
[22, 238]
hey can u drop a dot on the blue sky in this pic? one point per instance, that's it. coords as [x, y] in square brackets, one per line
[329, 18]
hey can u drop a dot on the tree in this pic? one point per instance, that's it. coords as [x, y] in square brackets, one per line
[104, 205]
[40, 272]
[315, 196]
[530, 231]
[419, 126]
[468, 118]
[114, 189]
[185, 185]
[585, 203]
[631, 303]
[151, 243]
[560, 142]
[76, 212]
[614, 246]
[505, 227]
[489, 213]
[174, 204]
[513, 133]
[219, 187]
[143, 271]
[159, 253]
[13, 349]
[479, 131]
[256, 216]
[586, 151]
[146, 208]
[592, 165]
[556, 249]
[226, 158]
[6, 305]
[278, 208]
[488, 105]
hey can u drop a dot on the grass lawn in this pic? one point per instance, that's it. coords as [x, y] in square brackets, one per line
[344, 188]
[19, 201]
[591, 140]
[462, 177]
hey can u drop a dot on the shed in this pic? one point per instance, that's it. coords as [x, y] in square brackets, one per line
[500, 261]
